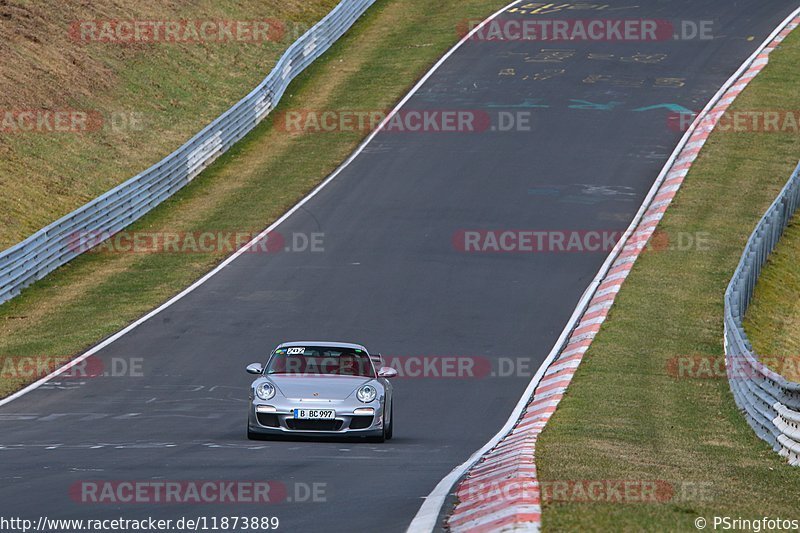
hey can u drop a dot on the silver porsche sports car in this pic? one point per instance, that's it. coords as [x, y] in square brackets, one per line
[313, 388]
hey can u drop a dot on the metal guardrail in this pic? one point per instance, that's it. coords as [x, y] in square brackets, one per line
[54, 245]
[771, 404]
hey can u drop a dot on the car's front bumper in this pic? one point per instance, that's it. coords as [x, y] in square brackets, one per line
[347, 422]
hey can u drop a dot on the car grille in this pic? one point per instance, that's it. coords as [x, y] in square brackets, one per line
[361, 422]
[313, 425]
[267, 419]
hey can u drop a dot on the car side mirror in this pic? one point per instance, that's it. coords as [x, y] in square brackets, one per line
[387, 372]
[255, 368]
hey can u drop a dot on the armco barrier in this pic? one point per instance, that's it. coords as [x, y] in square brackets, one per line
[770, 403]
[52, 247]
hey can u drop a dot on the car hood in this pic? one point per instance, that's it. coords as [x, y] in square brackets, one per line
[318, 387]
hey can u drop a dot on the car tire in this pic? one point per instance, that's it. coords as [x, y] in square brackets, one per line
[380, 438]
[252, 435]
[390, 428]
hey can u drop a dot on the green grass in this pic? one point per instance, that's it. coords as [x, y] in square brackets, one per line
[625, 416]
[171, 89]
[372, 67]
[773, 319]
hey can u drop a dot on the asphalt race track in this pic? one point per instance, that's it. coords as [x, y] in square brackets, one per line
[392, 277]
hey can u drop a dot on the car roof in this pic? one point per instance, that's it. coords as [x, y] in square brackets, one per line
[324, 343]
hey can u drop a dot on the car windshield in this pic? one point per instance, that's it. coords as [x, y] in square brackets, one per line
[321, 360]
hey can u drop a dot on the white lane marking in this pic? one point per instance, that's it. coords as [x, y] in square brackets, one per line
[427, 516]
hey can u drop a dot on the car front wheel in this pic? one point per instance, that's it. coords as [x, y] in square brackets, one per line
[390, 427]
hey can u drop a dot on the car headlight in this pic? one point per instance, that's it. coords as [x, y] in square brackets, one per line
[265, 391]
[367, 393]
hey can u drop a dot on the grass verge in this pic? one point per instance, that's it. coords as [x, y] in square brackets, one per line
[131, 89]
[629, 415]
[773, 319]
[371, 67]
